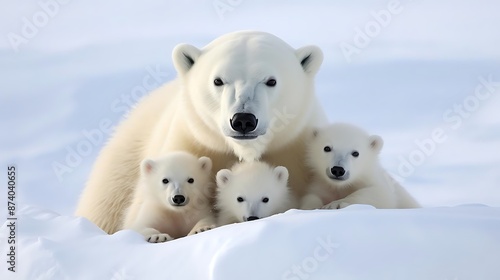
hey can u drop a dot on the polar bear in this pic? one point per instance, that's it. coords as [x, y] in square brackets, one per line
[344, 159]
[250, 191]
[247, 95]
[172, 198]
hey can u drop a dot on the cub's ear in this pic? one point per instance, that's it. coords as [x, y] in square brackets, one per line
[223, 177]
[147, 166]
[376, 143]
[281, 173]
[310, 58]
[205, 163]
[184, 57]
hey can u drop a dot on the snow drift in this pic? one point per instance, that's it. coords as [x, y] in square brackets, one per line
[358, 242]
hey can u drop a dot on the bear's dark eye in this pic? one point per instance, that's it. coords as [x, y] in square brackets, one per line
[165, 181]
[271, 83]
[265, 200]
[218, 82]
[190, 180]
[240, 199]
[327, 149]
[355, 154]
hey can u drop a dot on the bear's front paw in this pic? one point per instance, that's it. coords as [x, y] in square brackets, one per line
[337, 204]
[201, 229]
[158, 238]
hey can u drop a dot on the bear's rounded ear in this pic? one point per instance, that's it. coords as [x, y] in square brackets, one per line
[147, 166]
[281, 173]
[310, 58]
[223, 177]
[184, 57]
[205, 163]
[376, 143]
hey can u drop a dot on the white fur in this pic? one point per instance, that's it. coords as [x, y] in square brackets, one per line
[262, 189]
[192, 114]
[175, 175]
[364, 181]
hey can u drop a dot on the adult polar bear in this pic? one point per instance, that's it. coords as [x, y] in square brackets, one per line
[246, 95]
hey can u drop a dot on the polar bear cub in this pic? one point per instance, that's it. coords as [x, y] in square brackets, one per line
[172, 198]
[344, 160]
[252, 190]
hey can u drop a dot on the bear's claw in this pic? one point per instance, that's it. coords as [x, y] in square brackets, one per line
[202, 229]
[338, 204]
[158, 238]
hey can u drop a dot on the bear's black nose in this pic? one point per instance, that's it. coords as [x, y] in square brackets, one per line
[178, 199]
[244, 122]
[338, 171]
[251, 218]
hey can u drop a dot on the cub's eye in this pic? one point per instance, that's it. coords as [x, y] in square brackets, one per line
[240, 199]
[271, 83]
[190, 180]
[218, 82]
[327, 149]
[265, 200]
[165, 181]
[355, 154]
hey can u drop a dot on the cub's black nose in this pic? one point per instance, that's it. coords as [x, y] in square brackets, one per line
[338, 171]
[251, 218]
[244, 122]
[178, 199]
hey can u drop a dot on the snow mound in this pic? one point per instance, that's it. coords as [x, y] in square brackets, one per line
[358, 242]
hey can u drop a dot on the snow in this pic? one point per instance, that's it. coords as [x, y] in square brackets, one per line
[83, 69]
[358, 242]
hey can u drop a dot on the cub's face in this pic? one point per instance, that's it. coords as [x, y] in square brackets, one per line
[253, 194]
[240, 83]
[342, 153]
[179, 180]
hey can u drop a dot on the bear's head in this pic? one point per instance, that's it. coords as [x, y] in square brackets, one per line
[343, 154]
[248, 89]
[178, 180]
[252, 191]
